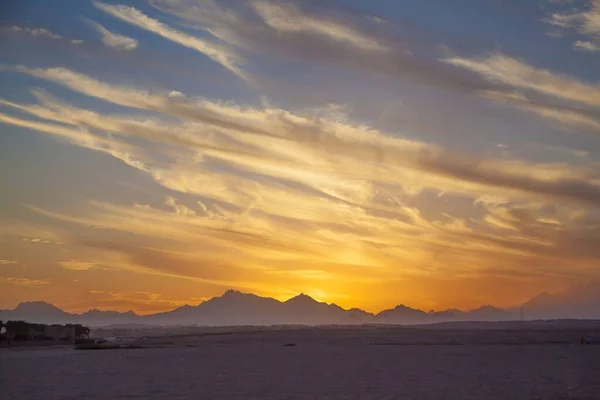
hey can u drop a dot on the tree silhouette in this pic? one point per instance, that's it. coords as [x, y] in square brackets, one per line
[22, 330]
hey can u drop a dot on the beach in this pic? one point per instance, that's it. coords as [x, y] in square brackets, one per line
[307, 364]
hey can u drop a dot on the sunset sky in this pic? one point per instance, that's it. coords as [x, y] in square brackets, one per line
[433, 153]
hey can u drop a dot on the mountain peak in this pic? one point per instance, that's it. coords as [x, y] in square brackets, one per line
[232, 293]
[37, 306]
[97, 312]
[37, 311]
[486, 307]
[236, 293]
[302, 299]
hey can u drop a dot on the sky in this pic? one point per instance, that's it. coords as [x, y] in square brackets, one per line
[430, 153]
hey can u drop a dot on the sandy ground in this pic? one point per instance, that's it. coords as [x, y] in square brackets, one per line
[322, 365]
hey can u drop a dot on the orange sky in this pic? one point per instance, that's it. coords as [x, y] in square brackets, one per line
[160, 154]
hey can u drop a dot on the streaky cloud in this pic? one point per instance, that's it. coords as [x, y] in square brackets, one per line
[114, 40]
[514, 72]
[251, 130]
[286, 17]
[39, 33]
[214, 51]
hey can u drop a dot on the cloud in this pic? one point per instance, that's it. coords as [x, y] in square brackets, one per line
[180, 209]
[31, 233]
[287, 17]
[585, 22]
[539, 232]
[147, 302]
[35, 32]
[214, 51]
[74, 265]
[273, 199]
[573, 102]
[7, 262]
[326, 35]
[317, 34]
[274, 142]
[562, 233]
[24, 281]
[39, 33]
[590, 47]
[258, 196]
[40, 241]
[81, 138]
[312, 274]
[573, 117]
[114, 40]
[289, 30]
[513, 72]
[568, 151]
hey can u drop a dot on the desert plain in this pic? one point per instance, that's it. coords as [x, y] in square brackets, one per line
[364, 362]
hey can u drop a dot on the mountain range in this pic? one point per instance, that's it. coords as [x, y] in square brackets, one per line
[236, 308]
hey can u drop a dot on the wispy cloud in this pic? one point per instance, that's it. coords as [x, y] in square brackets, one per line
[23, 281]
[289, 29]
[586, 46]
[7, 262]
[74, 265]
[39, 33]
[348, 184]
[135, 17]
[317, 34]
[299, 139]
[289, 18]
[146, 302]
[115, 148]
[511, 71]
[114, 40]
[585, 21]
[274, 198]
[556, 96]
[571, 117]
[36, 32]
[39, 241]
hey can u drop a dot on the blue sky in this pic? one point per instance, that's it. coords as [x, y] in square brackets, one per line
[156, 153]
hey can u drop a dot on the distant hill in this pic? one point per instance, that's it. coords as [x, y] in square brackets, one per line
[489, 313]
[236, 308]
[452, 314]
[45, 313]
[581, 302]
[36, 311]
[402, 315]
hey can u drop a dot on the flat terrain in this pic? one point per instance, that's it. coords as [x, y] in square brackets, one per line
[358, 363]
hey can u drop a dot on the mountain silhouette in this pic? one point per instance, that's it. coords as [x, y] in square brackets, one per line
[452, 314]
[489, 313]
[100, 317]
[402, 314]
[45, 313]
[237, 308]
[579, 301]
[233, 308]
